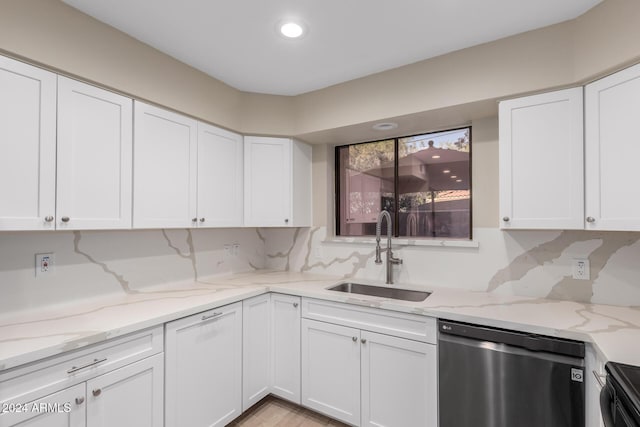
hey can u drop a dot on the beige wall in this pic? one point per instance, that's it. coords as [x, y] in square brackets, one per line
[55, 35]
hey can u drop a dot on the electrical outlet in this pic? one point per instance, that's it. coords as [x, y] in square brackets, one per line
[44, 264]
[581, 269]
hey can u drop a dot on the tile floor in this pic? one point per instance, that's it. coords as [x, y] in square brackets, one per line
[273, 412]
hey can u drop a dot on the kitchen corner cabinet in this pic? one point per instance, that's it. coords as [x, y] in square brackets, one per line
[285, 347]
[271, 348]
[94, 164]
[115, 383]
[27, 147]
[277, 182]
[165, 168]
[355, 371]
[541, 161]
[203, 368]
[256, 349]
[612, 108]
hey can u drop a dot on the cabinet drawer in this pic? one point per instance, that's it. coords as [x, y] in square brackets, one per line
[74, 367]
[410, 326]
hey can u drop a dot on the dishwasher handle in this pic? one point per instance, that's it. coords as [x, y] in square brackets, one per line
[524, 340]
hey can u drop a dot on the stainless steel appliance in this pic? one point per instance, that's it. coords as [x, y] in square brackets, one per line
[620, 397]
[499, 378]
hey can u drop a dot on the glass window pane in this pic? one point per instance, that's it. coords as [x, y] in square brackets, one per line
[366, 185]
[434, 185]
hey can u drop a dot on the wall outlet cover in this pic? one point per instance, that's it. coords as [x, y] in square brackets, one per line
[581, 269]
[45, 264]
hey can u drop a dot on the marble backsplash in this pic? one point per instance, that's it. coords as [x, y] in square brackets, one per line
[96, 263]
[529, 263]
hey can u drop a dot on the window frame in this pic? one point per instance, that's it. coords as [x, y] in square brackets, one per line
[396, 161]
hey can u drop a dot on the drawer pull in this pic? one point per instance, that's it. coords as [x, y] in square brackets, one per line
[79, 400]
[96, 392]
[211, 316]
[600, 378]
[77, 368]
[295, 305]
[354, 339]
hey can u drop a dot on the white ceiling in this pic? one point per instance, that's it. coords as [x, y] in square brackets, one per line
[236, 40]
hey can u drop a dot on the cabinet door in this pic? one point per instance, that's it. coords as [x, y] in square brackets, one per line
[95, 132]
[204, 368]
[27, 147]
[541, 161]
[256, 349]
[164, 170]
[65, 408]
[129, 396]
[285, 353]
[220, 189]
[331, 370]
[612, 108]
[399, 382]
[267, 179]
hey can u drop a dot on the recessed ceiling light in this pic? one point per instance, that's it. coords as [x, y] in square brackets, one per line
[454, 176]
[446, 171]
[458, 180]
[385, 126]
[291, 30]
[435, 157]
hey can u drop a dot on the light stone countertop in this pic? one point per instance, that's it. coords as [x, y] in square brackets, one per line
[30, 335]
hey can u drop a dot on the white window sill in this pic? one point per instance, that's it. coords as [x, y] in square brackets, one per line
[451, 243]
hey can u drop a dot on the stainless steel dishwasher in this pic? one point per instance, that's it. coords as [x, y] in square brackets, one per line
[499, 378]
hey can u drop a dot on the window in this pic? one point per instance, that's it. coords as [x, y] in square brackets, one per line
[423, 181]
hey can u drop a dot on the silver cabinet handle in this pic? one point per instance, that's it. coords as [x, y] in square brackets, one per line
[286, 221]
[48, 218]
[505, 218]
[65, 219]
[599, 378]
[354, 339]
[201, 219]
[194, 219]
[363, 341]
[295, 304]
[96, 392]
[591, 219]
[211, 316]
[77, 368]
[79, 400]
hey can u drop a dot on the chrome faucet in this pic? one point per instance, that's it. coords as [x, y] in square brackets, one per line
[390, 259]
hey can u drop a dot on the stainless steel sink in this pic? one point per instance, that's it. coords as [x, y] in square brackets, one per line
[380, 291]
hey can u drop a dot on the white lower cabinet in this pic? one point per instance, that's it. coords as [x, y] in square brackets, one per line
[256, 351]
[285, 347]
[132, 395]
[203, 374]
[368, 378]
[271, 348]
[115, 383]
[331, 370]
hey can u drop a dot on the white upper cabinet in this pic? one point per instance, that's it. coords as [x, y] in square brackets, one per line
[277, 182]
[612, 151]
[165, 168]
[95, 131]
[541, 161]
[220, 188]
[27, 147]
